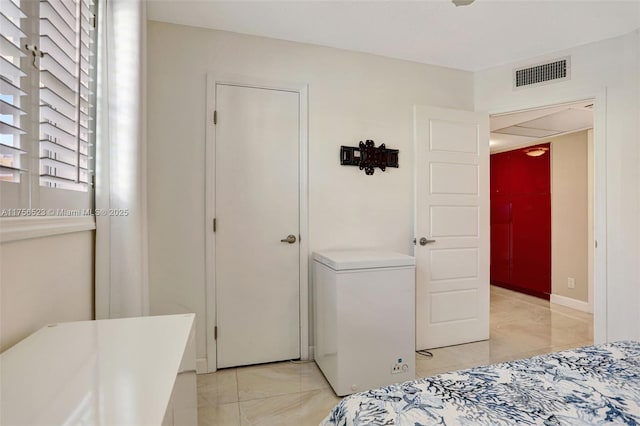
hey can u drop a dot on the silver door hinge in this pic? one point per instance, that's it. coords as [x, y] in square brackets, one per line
[214, 224]
[215, 117]
[215, 333]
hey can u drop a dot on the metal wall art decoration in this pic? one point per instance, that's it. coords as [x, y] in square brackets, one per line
[367, 156]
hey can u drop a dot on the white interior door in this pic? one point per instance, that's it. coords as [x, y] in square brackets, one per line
[256, 206]
[452, 227]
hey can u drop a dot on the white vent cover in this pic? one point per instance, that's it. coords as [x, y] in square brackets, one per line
[548, 72]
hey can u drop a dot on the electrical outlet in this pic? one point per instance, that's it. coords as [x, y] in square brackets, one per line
[571, 282]
[399, 367]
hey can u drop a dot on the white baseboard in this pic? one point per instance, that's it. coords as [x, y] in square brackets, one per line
[568, 302]
[201, 366]
[201, 363]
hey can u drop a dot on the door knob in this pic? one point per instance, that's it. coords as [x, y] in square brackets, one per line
[290, 239]
[424, 241]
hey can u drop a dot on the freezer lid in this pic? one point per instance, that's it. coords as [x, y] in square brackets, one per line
[344, 260]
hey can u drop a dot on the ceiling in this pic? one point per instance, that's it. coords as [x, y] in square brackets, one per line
[484, 34]
[520, 129]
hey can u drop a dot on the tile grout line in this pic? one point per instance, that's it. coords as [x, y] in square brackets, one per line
[285, 394]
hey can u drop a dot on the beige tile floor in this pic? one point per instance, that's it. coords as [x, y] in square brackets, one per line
[288, 393]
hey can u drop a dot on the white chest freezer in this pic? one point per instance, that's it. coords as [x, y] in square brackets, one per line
[364, 304]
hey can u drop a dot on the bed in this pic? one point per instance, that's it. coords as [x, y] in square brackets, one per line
[585, 386]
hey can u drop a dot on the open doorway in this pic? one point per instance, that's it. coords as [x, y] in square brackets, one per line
[522, 325]
[542, 225]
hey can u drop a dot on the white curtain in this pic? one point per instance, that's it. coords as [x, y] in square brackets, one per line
[121, 270]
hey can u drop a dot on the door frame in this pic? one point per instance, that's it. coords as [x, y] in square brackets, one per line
[303, 209]
[598, 298]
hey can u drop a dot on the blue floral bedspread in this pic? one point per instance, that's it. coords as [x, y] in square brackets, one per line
[585, 386]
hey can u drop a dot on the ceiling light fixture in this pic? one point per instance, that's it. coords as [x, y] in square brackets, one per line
[462, 2]
[536, 152]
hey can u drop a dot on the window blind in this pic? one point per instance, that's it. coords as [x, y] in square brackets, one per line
[12, 36]
[67, 39]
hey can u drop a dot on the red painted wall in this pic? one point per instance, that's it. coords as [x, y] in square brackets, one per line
[521, 221]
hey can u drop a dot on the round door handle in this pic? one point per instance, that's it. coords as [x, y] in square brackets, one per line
[424, 241]
[290, 239]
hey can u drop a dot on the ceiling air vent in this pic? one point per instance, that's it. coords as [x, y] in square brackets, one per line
[548, 72]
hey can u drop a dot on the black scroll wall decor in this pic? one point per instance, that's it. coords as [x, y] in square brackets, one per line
[367, 156]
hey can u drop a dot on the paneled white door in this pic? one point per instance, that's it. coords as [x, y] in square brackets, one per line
[452, 227]
[257, 271]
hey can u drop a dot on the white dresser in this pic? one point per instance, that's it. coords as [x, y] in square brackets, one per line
[132, 371]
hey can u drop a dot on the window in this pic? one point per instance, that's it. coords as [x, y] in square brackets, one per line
[12, 130]
[47, 101]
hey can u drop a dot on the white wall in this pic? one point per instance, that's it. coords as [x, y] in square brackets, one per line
[611, 65]
[570, 215]
[43, 281]
[352, 97]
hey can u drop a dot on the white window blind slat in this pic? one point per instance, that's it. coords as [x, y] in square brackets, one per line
[10, 29]
[63, 150]
[66, 10]
[12, 9]
[50, 178]
[8, 149]
[86, 80]
[87, 26]
[85, 57]
[50, 115]
[47, 44]
[49, 13]
[52, 132]
[67, 168]
[53, 114]
[84, 102]
[49, 63]
[85, 40]
[47, 28]
[86, 54]
[65, 171]
[10, 70]
[51, 82]
[49, 97]
[9, 129]
[7, 88]
[7, 108]
[86, 66]
[84, 148]
[69, 6]
[10, 50]
[61, 138]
